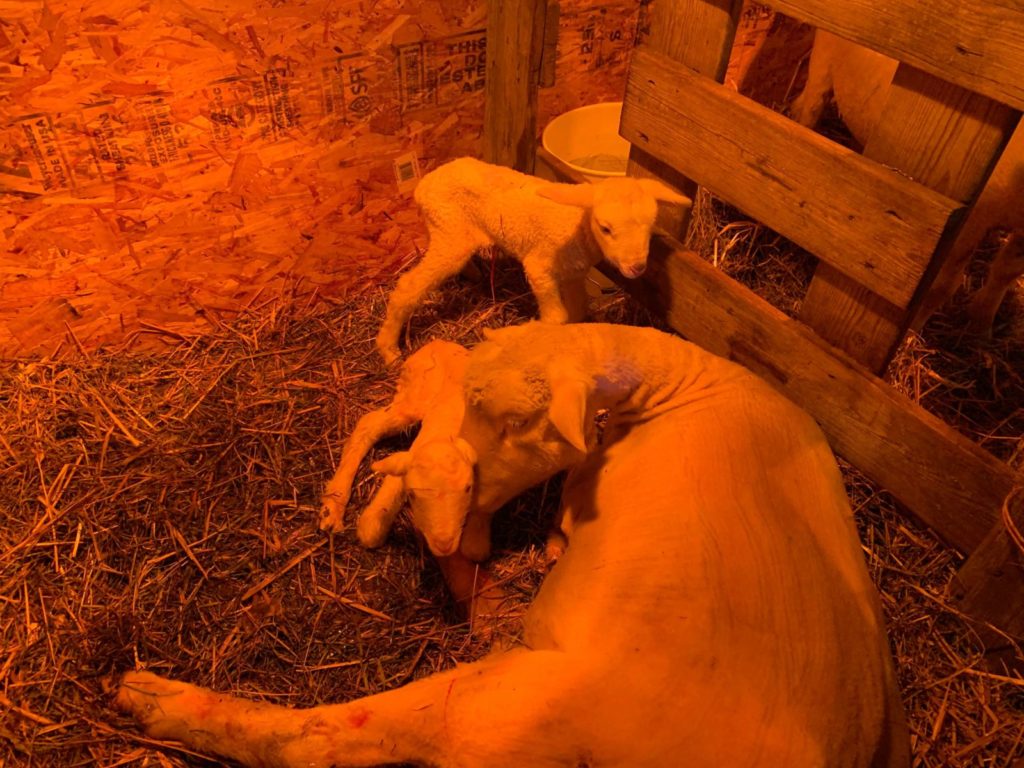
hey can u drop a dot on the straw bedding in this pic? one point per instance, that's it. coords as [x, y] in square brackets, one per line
[159, 509]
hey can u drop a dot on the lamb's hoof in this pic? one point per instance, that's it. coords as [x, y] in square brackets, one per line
[332, 514]
[555, 546]
[370, 531]
[389, 352]
[160, 705]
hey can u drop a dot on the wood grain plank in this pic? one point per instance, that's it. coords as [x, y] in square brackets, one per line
[871, 223]
[698, 34]
[944, 137]
[978, 44]
[943, 478]
[989, 583]
[515, 41]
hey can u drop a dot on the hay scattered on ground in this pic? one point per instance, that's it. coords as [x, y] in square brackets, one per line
[159, 509]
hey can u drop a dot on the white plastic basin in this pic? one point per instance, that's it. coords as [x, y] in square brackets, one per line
[587, 140]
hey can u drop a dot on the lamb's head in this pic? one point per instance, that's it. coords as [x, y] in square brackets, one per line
[528, 416]
[438, 479]
[622, 212]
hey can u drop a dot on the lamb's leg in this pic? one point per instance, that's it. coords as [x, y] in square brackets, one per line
[368, 430]
[376, 520]
[476, 537]
[545, 287]
[1006, 267]
[574, 297]
[471, 586]
[446, 255]
[495, 712]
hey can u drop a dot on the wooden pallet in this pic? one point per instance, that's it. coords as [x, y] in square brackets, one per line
[880, 223]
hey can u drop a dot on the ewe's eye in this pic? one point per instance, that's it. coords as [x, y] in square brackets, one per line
[605, 230]
[468, 488]
[512, 425]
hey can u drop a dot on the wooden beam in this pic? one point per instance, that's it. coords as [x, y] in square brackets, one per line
[978, 44]
[942, 477]
[943, 137]
[698, 34]
[987, 586]
[515, 40]
[873, 224]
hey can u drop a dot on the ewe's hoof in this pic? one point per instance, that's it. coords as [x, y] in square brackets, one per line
[155, 702]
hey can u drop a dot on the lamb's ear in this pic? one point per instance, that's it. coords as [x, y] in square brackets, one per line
[396, 464]
[663, 192]
[568, 409]
[465, 449]
[580, 195]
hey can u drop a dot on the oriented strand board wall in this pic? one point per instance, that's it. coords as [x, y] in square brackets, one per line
[165, 162]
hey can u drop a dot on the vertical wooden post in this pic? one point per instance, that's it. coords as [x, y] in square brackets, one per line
[698, 33]
[515, 41]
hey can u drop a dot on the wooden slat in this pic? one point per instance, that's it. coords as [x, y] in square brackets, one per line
[978, 44]
[515, 40]
[989, 584]
[942, 477]
[698, 34]
[941, 136]
[873, 224]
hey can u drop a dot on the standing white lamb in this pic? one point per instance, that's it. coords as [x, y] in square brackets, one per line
[557, 231]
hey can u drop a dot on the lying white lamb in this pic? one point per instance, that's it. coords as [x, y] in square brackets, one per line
[436, 473]
[557, 231]
[713, 607]
[429, 393]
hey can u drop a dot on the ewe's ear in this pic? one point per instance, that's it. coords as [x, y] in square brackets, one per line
[396, 464]
[568, 409]
[580, 195]
[663, 192]
[465, 450]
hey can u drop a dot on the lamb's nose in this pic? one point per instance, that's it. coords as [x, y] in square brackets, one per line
[636, 270]
[445, 547]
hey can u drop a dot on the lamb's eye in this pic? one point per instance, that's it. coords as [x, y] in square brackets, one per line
[605, 230]
[468, 488]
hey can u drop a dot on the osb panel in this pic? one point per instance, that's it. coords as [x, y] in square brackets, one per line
[163, 162]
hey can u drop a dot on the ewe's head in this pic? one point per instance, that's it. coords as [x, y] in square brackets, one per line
[528, 414]
[438, 479]
[622, 212]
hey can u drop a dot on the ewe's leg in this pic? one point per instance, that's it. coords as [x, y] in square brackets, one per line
[1006, 267]
[368, 430]
[497, 712]
[376, 520]
[446, 255]
[806, 108]
[545, 287]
